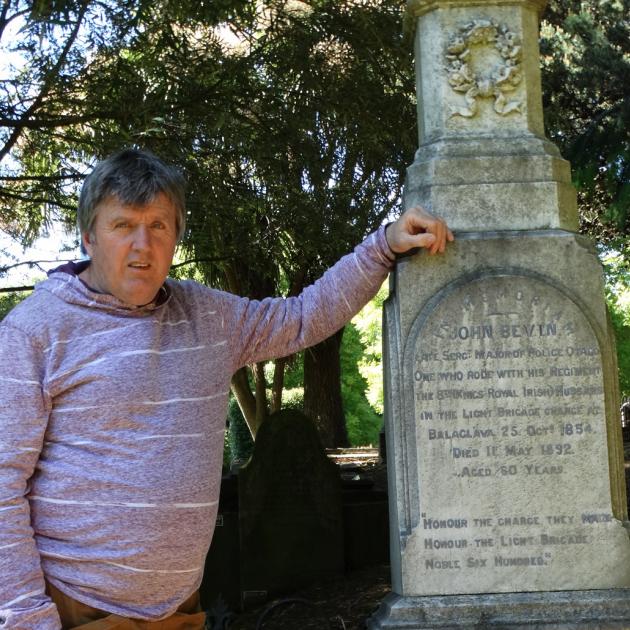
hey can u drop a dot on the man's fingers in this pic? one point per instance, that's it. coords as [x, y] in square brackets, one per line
[440, 237]
[425, 240]
[418, 228]
[438, 228]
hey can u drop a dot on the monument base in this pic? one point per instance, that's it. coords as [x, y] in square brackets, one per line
[560, 610]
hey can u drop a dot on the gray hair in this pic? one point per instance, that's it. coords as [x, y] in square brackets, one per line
[135, 177]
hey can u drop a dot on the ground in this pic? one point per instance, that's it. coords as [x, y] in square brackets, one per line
[341, 604]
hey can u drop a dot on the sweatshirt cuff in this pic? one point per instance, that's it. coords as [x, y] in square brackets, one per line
[383, 245]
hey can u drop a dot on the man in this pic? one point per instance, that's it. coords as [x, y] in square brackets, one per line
[115, 383]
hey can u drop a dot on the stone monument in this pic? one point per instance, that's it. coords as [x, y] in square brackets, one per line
[507, 494]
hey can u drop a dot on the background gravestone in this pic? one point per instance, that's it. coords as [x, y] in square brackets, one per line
[290, 511]
[505, 463]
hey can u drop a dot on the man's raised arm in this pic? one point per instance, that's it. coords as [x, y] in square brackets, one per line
[277, 327]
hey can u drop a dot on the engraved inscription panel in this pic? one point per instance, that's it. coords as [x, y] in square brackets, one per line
[508, 404]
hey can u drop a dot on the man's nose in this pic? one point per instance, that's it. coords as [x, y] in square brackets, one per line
[142, 237]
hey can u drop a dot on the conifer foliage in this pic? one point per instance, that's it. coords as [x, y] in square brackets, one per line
[585, 49]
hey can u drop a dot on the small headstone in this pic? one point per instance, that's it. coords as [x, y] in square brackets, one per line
[291, 520]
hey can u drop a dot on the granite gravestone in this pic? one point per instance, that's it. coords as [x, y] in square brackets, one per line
[290, 510]
[507, 497]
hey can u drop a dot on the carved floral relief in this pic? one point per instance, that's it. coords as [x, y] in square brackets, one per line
[495, 82]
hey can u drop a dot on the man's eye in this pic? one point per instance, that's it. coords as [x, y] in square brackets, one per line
[121, 224]
[158, 225]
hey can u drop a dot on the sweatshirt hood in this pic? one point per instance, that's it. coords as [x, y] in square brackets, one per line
[64, 283]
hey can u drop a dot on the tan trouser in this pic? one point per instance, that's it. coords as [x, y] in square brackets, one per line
[74, 614]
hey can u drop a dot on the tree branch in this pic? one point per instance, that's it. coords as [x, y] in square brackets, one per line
[4, 20]
[38, 178]
[16, 289]
[32, 263]
[5, 193]
[59, 121]
[194, 261]
[13, 138]
[3, 16]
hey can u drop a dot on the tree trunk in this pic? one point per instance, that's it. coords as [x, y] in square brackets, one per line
[262, 410]
[322, 391]
[254, 408]
[278, 384]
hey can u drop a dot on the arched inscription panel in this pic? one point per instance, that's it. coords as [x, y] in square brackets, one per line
[504, 379]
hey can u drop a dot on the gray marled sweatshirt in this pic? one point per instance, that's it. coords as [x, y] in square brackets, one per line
[111, 431]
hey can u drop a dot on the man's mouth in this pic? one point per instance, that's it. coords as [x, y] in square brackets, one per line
[139, 265]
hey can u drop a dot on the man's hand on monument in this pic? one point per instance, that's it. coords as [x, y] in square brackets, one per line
[418, 228]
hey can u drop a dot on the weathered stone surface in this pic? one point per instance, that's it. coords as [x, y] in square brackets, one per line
[499, 205]
[451, 34]
[482, 185]
[502, 397]
[416, 8]
[290, 511]
[483, 162]
[569, 610]
[483, 169]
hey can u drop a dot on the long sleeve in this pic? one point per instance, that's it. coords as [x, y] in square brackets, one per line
[24, 604]
[276, 327]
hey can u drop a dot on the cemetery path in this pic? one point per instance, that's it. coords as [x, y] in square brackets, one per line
[342, 603]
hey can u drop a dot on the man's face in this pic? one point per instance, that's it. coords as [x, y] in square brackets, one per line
[131, 248]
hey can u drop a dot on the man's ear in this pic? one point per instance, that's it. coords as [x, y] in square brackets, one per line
[87, 240]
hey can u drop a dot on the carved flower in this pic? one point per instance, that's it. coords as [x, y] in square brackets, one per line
[456, 46]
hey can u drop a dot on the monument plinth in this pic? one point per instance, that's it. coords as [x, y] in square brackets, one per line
[507, 494]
